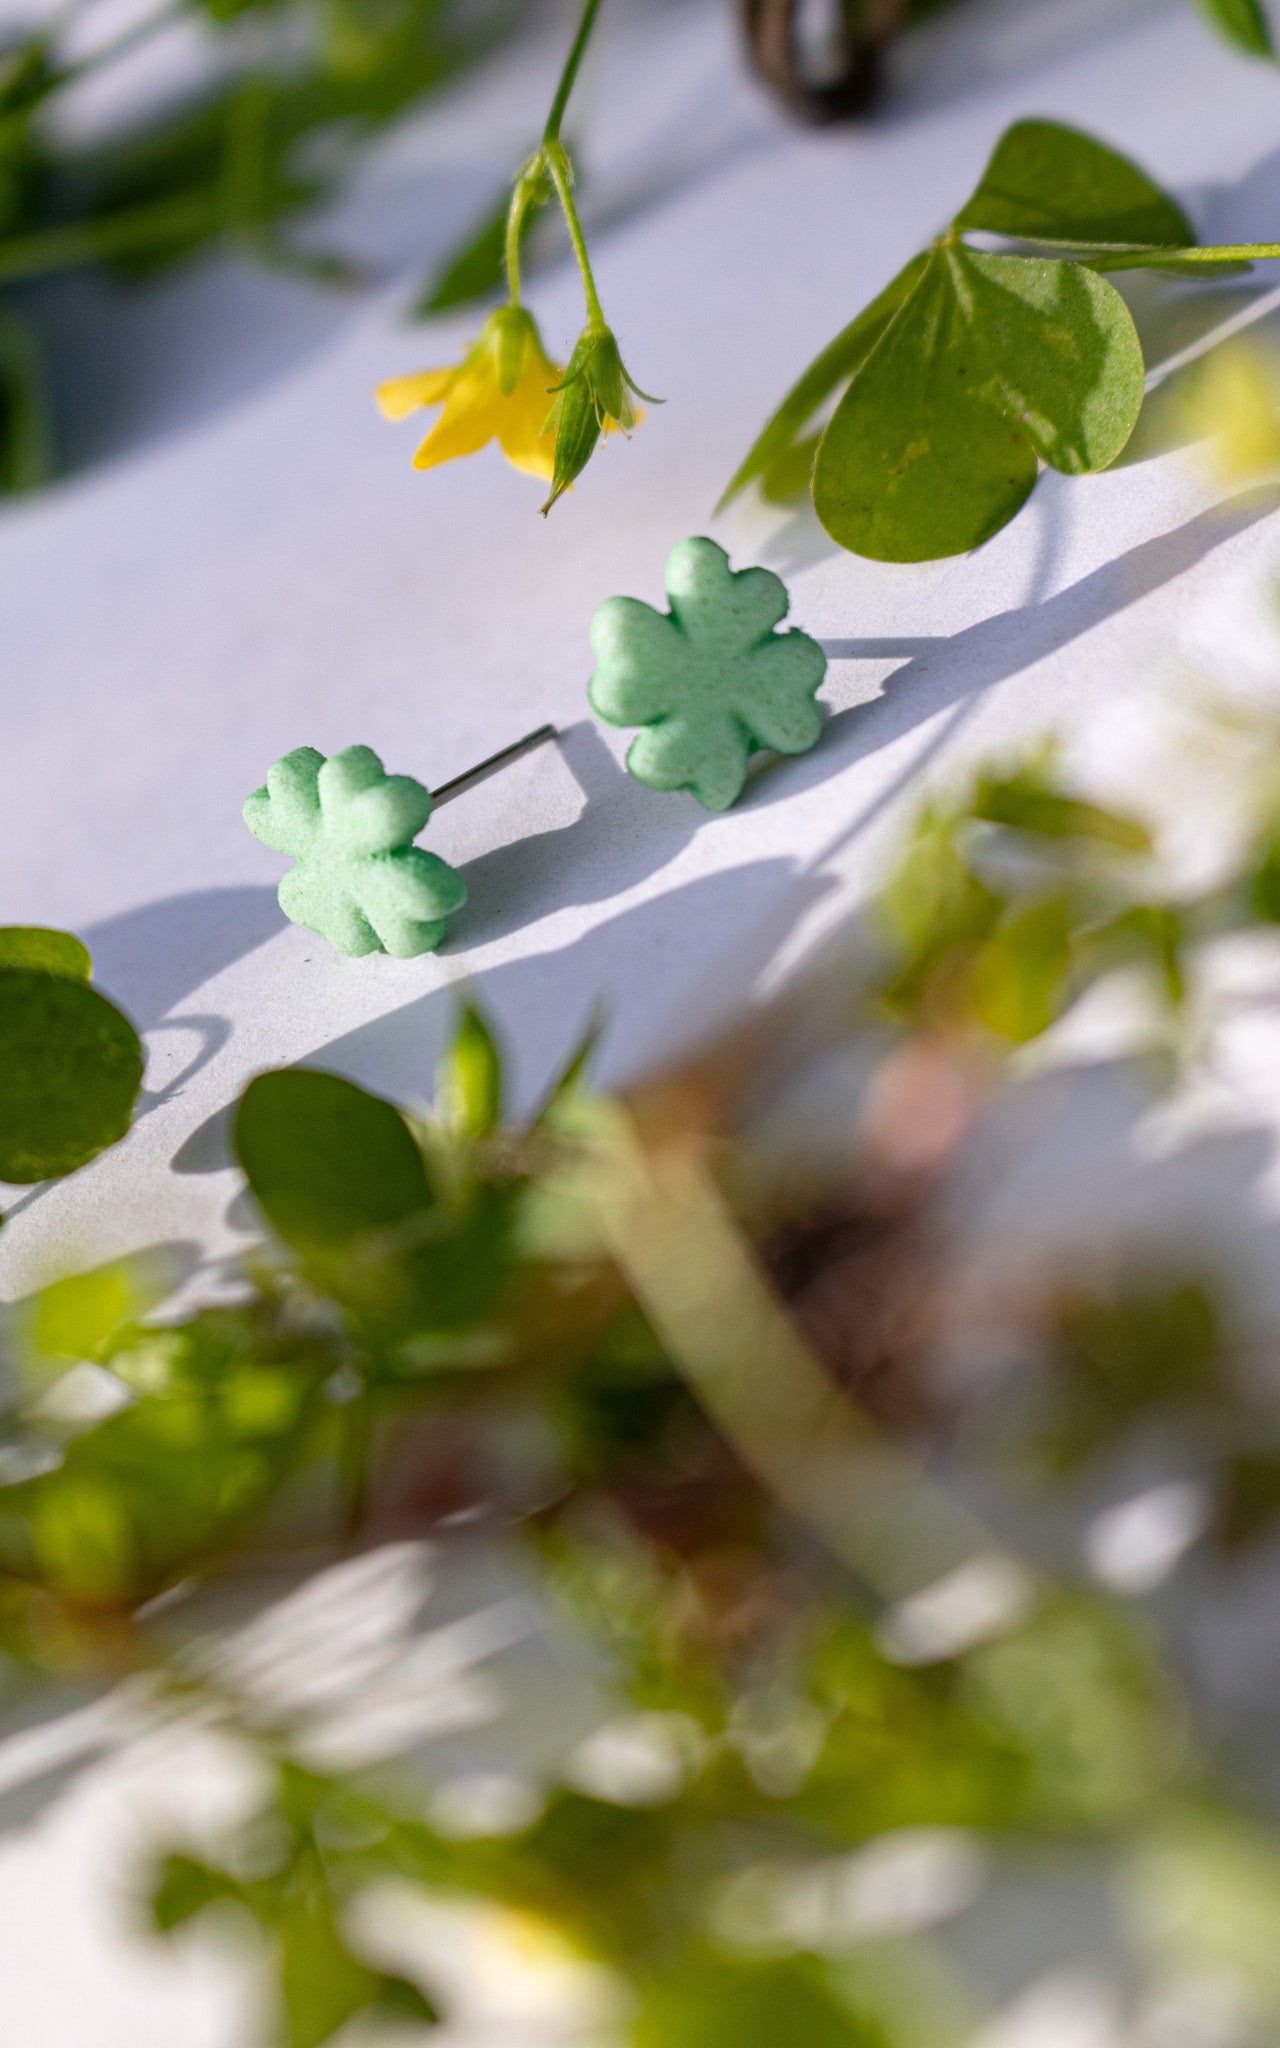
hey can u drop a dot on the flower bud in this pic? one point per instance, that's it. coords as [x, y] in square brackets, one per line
[508, 333]
[576, 423]
[594, 397]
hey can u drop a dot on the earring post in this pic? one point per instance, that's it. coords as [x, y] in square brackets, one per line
[461, 783]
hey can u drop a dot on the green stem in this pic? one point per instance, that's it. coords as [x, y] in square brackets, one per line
[522, 198]
[515, 222]
[124, 234]
[1157, 259]
[557, 163]
[552, 161]
[1140, 255]
[569, 76]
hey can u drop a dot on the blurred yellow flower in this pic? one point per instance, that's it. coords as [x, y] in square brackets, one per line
[502, 391]
[1236, 406]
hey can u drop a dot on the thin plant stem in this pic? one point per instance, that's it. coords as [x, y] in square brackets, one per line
[569, 76]
[515, 225]
[522, 197]
[557, 163]
[552, 159]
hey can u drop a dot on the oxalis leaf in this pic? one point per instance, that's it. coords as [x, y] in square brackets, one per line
[973, 367]
[1047, 182]
[53, 952]
[328, 1163]
[340, 1179]
[993, 364]
[70, 1063]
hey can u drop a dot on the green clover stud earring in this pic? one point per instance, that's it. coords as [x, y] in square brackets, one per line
[358, 879]
[711, 681]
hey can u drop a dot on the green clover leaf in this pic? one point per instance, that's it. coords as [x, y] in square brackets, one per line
[358, 880]
[923, 427]
[711, 681]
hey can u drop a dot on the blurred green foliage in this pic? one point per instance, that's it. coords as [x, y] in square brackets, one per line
[296, 1905]
[72, 1063]
[289, 94]
[433, 1300]
[213, 1416]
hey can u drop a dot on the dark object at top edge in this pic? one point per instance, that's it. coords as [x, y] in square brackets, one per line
[773, 40]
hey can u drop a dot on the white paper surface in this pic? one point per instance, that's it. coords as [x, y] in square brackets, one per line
[250, 564]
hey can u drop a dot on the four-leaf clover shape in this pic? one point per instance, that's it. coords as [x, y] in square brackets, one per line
[358, 878]
[711, 681]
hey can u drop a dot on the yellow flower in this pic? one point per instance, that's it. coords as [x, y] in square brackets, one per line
[501, 390]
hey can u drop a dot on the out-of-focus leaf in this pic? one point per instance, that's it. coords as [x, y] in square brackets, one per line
[52, 952]
[933, 912]
[76, 1317]
[1157, 1347]
[188, 179]
[566, 1083]
[27, 75]
[469, 1081]
[712, 2001]
[339, 1177]
[904, 1748]
[243, 158]
[1249, 1504]
[1233, 411]
[599, 1871]
[1242, 23]
[184, 1888]
[934, 900]
[26, 438]
[1018, 979]
[232, 10]
[322, 1985]
[328, 1163]
[622, 1403]
[26, 70]
[472, 270]
[1029, 801]
[1082, 1696]
[298, 1904]
[145, 1496]
[1005, 928]
[1208, 1895]
[1264, 885]
[70, 1071]
[1153, 935]
[248, 165]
